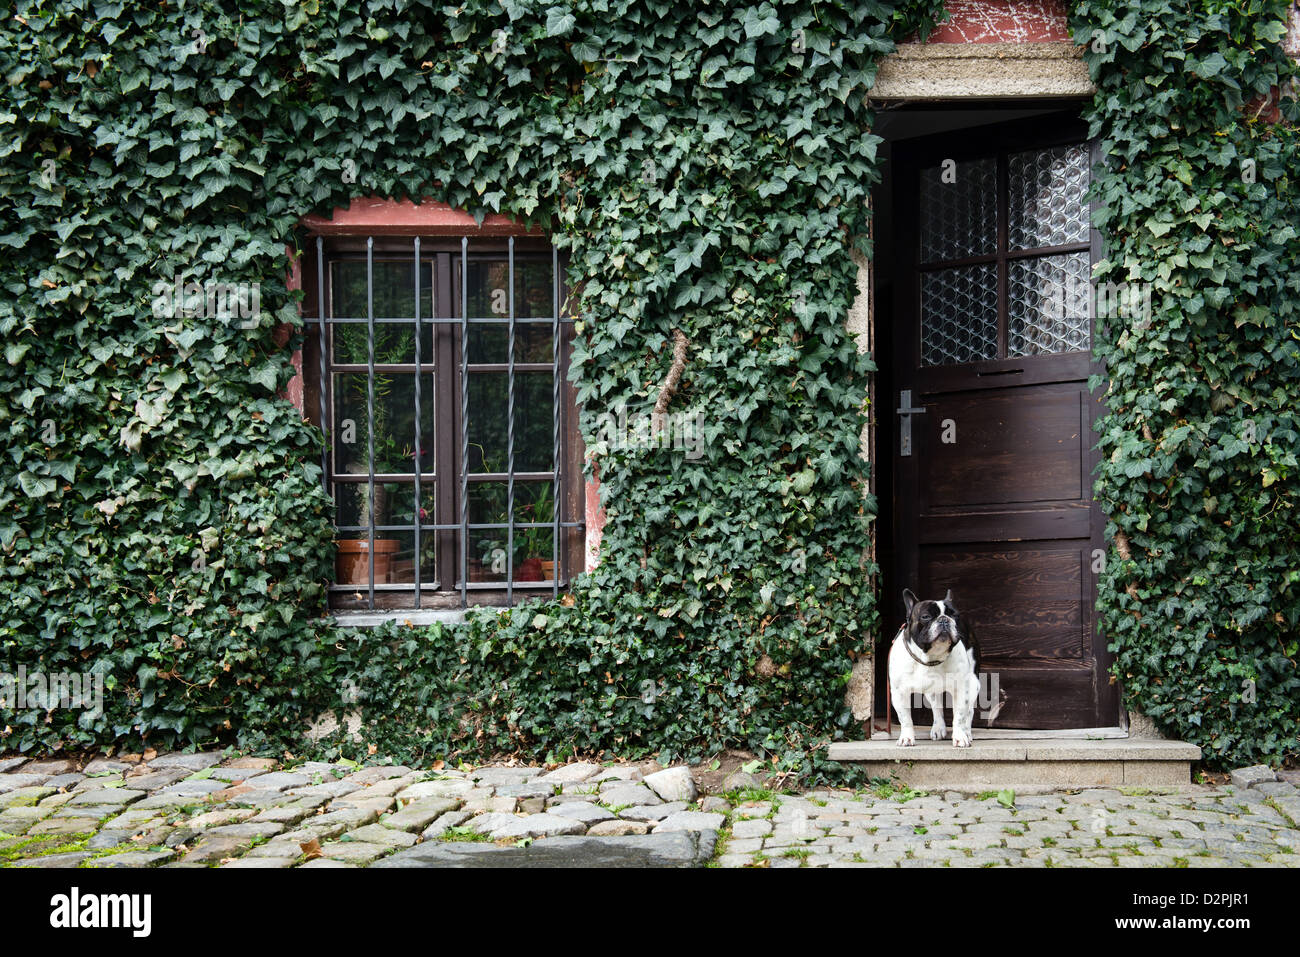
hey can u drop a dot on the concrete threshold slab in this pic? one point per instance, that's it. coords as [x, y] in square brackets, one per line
[1045, 749]
[996, 763]
[1017, 734]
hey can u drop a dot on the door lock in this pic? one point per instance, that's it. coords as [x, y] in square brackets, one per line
[905, 412]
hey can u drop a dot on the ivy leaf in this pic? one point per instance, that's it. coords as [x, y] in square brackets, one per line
[802, 482]
[559, 22]
[266, 376]
[757, 25]
[36, 486]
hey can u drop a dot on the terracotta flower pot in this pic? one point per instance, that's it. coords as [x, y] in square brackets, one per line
[352, 565]
[529, 570]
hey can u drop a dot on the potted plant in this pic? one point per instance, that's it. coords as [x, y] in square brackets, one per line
[532, 554]
[533, 547]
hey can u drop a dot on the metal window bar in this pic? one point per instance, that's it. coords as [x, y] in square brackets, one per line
[464, 421]
[510, 428]
[416, 512]
[327, 434]
[556, 498]
[370, 411]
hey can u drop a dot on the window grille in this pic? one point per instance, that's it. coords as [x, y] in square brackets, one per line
[449, 450]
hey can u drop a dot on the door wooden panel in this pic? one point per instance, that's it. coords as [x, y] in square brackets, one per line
[992, 496]
[1031, 603]
[1025, 446]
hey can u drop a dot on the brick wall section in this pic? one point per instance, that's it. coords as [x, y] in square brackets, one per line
[1003, 21]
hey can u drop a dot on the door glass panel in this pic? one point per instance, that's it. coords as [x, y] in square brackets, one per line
[1046, 206]
[959, 315]
[1048, 308]
[959, 216]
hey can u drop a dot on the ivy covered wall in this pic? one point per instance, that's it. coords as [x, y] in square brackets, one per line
[705, 167]
[1201, 205]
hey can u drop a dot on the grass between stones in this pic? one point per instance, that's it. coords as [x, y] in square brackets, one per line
[1270, 802]
[121, 849]
[892, 788]
[735, 799]
[464, 835]
[31, 847]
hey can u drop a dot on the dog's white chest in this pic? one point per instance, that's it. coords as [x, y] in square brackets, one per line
[911, 676]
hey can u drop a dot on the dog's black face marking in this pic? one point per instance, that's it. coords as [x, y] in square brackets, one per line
[935, 626]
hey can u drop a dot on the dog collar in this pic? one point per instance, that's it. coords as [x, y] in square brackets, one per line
[907, 645]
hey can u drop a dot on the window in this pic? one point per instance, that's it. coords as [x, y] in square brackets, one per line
[440, 379]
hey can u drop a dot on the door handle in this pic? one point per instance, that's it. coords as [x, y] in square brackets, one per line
[905, 412]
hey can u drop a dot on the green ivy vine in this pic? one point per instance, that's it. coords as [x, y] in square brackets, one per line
[705, 168]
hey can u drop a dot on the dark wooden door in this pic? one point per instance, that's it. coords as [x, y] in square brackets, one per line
[993, 485]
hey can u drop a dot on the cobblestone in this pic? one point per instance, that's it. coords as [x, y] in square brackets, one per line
[203, 810]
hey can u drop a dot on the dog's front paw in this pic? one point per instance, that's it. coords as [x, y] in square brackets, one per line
[960, 738]
[938, 733]
[906, 739]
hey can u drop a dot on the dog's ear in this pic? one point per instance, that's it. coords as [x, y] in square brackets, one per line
[908, 600]
[947, 598]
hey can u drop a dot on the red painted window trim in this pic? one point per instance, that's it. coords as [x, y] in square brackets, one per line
[372, 215]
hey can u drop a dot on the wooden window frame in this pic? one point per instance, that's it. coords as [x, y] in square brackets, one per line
[443, 250]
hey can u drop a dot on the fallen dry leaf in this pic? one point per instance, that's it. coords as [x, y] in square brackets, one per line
[312, 849]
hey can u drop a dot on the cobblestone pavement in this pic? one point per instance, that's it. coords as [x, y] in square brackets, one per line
[206, 810]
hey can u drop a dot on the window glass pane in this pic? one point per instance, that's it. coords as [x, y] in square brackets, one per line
[1048, 308]
[394, 289]
[394, 560]
[959, 214]
[534, 421]
[401, 570]
[394, 343]
[488, 298]
[394, 423]
[394, 299]
[959, 315]
[1046, 206]
[488, 504]
[394, 503]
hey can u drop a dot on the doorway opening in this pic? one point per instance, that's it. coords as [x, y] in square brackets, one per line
[983, 315]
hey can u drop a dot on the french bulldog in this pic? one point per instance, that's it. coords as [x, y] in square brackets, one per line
[933, 653]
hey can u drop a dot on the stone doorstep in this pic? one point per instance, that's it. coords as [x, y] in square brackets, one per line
[1016, 762]
[1016, 749]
